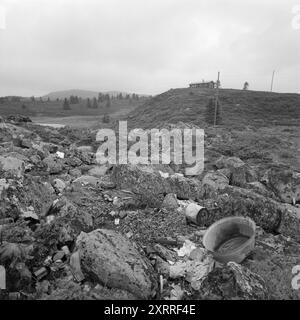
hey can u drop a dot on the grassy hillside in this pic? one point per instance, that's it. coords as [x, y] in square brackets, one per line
[259, 127]
[239, 107]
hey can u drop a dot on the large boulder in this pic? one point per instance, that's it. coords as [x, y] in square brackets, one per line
[232, 282]
[240, 172]
[83, 155]
[113, 260]
[98, 171]
[284, 182]
[214, 182]
[170, 202]
[290, 221]
[11, 167]
[59, 185]
[53, 164]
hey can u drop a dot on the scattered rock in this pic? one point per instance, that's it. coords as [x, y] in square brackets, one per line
[113, 260]
[170, 202]
[98, 171]
[232, 282]
[12, 167]
[85, 180]
[284, 182]
[59, 185]
[151, 187]
[75, 172]
[214, 182]
[54, 165]
[240, 173]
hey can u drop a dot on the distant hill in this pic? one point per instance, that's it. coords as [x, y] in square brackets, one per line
[239, 107]
[81, 93]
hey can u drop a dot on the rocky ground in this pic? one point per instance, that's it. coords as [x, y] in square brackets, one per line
[70, 229]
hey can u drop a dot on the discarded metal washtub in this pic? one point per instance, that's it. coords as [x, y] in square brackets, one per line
[230, 239]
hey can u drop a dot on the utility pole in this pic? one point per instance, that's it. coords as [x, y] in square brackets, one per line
[272, 80]
[217, 99]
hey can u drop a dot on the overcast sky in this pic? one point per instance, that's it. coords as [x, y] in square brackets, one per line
[146, 46]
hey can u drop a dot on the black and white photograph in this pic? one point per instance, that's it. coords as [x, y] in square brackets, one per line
[149, 152]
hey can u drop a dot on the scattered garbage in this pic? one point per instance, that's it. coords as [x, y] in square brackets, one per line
[60, 255]
[66, 250]
[30, 214]
[76, 267]
[50, 218]
[60, 155]
[164, 175]
[129, 234]
[193, 270]
[176, 293]
[230, 239]
[122, 214]
[186, 249]
[193, 213]
[41, 273]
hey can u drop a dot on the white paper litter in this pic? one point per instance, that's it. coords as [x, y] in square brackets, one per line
[60, 155]
[186, 249]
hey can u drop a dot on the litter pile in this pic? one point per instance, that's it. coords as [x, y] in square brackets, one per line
[71, 229]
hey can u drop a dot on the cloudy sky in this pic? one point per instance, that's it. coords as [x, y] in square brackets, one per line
[147, 46]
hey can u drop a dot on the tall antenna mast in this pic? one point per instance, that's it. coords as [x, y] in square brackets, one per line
[272, 80]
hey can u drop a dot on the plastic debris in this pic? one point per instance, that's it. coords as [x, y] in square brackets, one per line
[48, 261]
[60, 155]
[76, 267]
[194, 271]
[59, 256]
[41, 273]
[164, 174]
[30, 214]
[115, 201]
[161, 283]
[176, 293]
[186, 249]
[50, 218]
[66, 250]
[129, 234]
[113, 213]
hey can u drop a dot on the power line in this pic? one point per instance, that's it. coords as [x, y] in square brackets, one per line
[217, 98]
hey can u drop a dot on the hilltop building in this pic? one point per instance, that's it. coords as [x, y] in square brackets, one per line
[203, 84]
